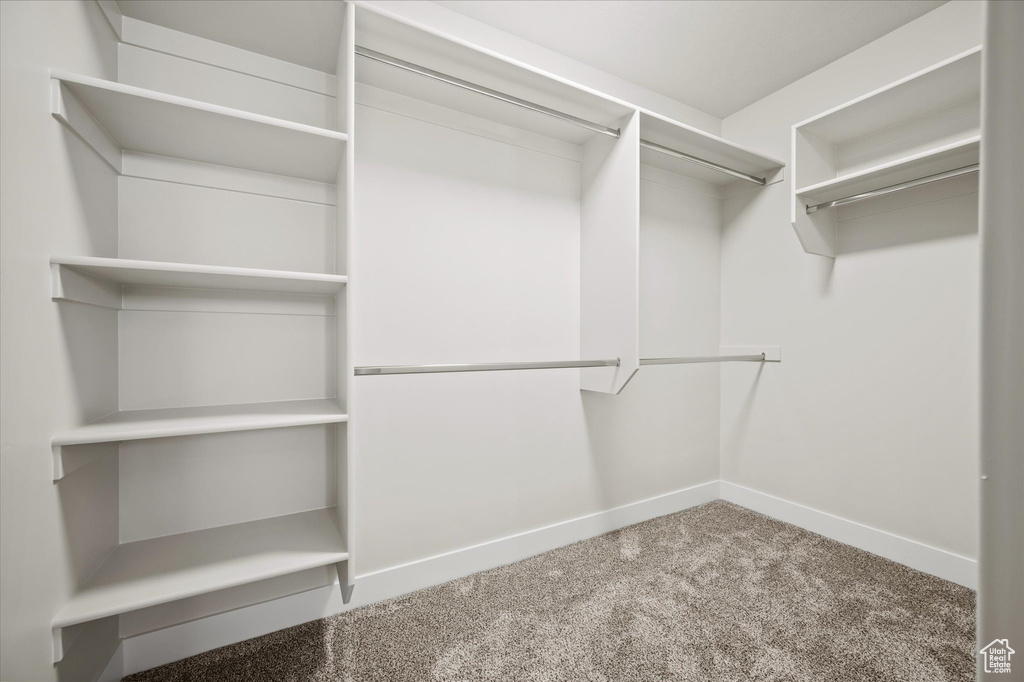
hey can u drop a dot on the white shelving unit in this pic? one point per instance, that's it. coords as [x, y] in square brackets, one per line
[112, 117]
[424, 75]
[920, 126]
[151, 572]
[249, 157]
[231, 160]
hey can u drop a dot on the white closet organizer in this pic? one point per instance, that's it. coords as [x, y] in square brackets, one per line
[227, 302]
[919, 130]
[420, 74]
[229, 296]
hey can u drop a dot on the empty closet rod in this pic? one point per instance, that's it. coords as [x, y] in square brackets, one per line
[481, 90]
[709, 358]
[703, 162]
[973, 168]
[482, 367]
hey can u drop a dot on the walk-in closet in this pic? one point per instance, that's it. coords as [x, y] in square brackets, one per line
[490, 340]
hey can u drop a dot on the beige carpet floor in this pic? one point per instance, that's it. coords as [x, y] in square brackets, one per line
[716, 593]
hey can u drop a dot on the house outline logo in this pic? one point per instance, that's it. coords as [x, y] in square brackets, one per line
[997, 655]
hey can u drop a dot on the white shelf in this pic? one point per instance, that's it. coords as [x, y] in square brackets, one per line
[689, 140]
[931, 162]
[150, 572]
[139, 120]
[934, 89]
[117, 272]
[190, 421]
[382, 33]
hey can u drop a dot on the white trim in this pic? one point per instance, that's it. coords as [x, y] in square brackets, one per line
[152, 649]
[916, 555]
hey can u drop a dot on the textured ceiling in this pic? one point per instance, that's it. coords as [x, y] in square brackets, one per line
[716, 56]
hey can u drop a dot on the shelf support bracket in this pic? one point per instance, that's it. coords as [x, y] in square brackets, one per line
[66, 461]
[67, 284]
[68, 110]
[345, 581]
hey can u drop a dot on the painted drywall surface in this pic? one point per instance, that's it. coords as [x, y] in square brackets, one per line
[59, 360]
[469, 252]
[461, 27]
[873, 414]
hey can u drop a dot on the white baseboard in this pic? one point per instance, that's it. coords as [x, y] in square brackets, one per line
[921, 557]
[159, 647]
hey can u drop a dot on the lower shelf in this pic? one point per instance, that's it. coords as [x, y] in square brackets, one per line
[151, 572]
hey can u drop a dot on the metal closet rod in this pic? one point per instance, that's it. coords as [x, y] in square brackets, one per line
[541, 109]
[760, 357]
[973, 168]
[482, 367]
[558, 364]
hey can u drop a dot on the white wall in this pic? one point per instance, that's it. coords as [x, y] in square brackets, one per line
[59, 363]
[875, 416]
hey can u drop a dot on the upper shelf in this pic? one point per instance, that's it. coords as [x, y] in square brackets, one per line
[118, 271]
[425, 66]
[139, 120]
[164, 569]
[934, 89]
[426, 48]
[683, 138]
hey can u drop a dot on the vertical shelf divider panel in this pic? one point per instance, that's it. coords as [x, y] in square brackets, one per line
[610, 257]
[344, 224]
